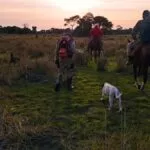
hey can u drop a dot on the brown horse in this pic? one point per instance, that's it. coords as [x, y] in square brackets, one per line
[141, 61]
[95, 48]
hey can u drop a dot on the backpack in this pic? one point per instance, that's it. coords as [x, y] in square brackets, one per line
[63, 48]
[145, 31]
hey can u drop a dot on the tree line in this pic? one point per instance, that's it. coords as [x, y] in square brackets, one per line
[14, 30]
[79, 26]
[27, 30]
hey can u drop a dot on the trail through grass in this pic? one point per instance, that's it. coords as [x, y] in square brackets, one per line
[77, 119]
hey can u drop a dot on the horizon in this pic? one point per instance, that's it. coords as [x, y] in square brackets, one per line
[46, 14]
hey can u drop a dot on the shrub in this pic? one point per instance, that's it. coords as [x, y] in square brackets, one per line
[101, 64]
[81, 59]
[10, 127]
[82, 45]
[32, 70]
[9, 74]
[122, 45]
[121, 64]
[36, 70]
[36, 54]
[121, 60]
[109, 48]
[121, 52]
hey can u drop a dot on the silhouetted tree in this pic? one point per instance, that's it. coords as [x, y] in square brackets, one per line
[59, 31]
[119, 27]
[34, 30]
[89, 17]
[25, 25]
[104, 22]
[72, 21]
[85, 24]
[14, 30]
[1, 29]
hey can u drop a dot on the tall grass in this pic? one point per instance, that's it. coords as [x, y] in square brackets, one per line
[102, 64]
[34, 115]
[121, 60]
[36, 56]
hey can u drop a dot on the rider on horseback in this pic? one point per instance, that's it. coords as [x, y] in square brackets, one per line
[140, 35]
[96, 34]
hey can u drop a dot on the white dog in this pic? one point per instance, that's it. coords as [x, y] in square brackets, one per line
[112, 92]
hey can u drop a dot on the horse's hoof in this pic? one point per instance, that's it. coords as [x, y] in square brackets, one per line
[137, 85]
[142, 86]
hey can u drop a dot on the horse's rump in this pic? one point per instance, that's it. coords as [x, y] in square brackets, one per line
[145, 54]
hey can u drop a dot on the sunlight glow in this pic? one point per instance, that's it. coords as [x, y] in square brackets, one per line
[73, 5]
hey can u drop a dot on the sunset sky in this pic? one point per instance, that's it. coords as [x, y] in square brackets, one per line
[51, 13]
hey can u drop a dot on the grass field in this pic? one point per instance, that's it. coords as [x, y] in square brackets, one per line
[34, 117]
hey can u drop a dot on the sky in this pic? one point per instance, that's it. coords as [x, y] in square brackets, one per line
[46, 14]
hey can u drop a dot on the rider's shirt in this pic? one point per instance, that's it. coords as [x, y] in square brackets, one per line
[145, 30]
[142, 29]
[96, 32]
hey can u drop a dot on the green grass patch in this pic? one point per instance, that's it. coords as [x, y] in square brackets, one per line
[77, 118]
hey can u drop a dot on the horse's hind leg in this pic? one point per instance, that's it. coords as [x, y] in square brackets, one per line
[95, 56]
[145, 77]
[91, 53]
[135, 76]
[138, 75]
[99, 53]
[139, 72]
[135, 72]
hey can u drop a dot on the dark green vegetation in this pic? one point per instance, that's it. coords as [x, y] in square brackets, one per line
[33, 116]
[80, 25]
